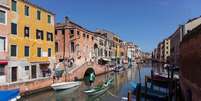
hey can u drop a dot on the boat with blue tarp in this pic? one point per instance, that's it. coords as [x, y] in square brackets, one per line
[9, 95]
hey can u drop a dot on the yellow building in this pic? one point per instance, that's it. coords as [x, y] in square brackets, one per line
[166, 49]
[31, 41]
[116, 41]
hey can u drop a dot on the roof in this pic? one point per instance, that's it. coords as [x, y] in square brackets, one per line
[193, 19]
[194, 33]
[39, 7]
[73, 23]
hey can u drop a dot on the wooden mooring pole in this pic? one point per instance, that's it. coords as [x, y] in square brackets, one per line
[129, 95]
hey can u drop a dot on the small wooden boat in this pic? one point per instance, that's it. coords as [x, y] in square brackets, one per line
[65, 85]
[9, 95]
[100, 89]
[149, 91]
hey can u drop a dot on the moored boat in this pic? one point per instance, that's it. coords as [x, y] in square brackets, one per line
[65, 85]
[100, 89]
[9, 95]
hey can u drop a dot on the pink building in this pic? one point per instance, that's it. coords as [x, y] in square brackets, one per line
[4, 31]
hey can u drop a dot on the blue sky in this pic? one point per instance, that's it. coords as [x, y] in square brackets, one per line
[144, 22]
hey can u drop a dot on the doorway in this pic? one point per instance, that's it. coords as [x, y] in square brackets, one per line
[14, 74]
[33, 71]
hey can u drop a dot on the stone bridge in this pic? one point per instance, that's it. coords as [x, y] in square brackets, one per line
[43, 83]
[80, 72]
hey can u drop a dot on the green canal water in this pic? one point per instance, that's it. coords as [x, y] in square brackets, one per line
[119, 90]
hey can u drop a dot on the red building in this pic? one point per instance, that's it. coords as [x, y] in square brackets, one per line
[73, 43]
[190, 65]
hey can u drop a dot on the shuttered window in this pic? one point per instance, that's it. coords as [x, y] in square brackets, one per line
[2, 17]
[13, 50]
[14, 5]
[14, 28]
[2, 44]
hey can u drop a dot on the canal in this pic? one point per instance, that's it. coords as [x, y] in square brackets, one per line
[118, 92]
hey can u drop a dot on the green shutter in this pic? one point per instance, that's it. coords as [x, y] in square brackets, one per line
[49, 19]
[2, 17]
[14, 5]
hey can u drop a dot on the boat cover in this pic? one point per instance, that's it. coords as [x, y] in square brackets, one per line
[6, 95]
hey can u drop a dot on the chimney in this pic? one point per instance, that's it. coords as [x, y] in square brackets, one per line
[66, 19]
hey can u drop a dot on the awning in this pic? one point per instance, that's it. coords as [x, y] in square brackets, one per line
[3, 62]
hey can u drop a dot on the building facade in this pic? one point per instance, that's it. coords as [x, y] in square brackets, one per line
[190, 65]
[4, 31]
[116, 49]
[175, 40]
[109, 42]
[166, 49]
[31, 42]
[74, 43]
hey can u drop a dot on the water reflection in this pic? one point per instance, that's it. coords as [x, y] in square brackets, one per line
[119, 89]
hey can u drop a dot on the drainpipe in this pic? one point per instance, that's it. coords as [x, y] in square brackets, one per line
[66, 19]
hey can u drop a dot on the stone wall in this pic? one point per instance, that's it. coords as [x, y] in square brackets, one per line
[43, 83]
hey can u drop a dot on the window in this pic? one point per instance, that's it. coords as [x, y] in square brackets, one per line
[56, 32]
[26, 31]
[72, 47]
[14, 5]
[87, 36]
[56, 46]
[49, 52]
[49, 19]
[84, 34]
[26, 10]
[14, 28]
[105, 52]
[39, 34]
[71, 33]
[92, 38]
[26, 51]
[13, 50]
[2, 17]
[63, 31]
[78, 33]
[2, 70]
[49, 36]
[26, 68]
[38, 15]
[39, 50]
[101, 42]
[2, 44]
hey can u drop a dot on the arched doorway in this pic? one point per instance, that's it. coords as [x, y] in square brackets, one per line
[89, 76]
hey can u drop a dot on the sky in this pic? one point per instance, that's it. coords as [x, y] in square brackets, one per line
[144, 22]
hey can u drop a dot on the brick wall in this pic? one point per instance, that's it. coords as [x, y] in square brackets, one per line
[190, 63]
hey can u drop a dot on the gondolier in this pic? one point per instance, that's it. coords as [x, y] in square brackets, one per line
[91, 78]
